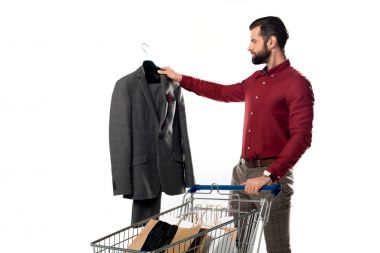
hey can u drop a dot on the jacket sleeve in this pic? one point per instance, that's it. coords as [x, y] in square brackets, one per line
[120, 140]
[188, 165]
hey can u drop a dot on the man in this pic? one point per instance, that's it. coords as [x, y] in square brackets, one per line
[277, 122]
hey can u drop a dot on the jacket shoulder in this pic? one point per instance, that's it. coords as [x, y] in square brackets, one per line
[129, 78]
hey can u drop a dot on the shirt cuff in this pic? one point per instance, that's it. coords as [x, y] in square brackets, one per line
[273, 175]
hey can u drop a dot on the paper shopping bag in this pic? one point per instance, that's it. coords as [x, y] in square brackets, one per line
[139, 241]
[232, 233]
[220, 240]
[198, 244]
[183, 234]
[156, 237]
[143, 241]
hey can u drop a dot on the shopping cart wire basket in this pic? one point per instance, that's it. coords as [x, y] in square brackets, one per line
[225, 227]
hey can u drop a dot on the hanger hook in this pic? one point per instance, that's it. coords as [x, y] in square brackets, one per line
[143, 46]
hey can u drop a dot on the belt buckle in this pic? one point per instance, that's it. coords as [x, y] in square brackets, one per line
[243, 161]
[258, 163]
[254, 163]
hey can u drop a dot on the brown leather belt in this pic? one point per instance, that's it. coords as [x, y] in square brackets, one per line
[257, 163]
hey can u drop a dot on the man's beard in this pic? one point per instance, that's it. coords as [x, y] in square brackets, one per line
[261, 57]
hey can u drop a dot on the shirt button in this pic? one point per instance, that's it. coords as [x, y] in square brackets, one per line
[251, 113]
[249, 147]
[272, 75]
[264, 82]
[249, 130]
[257, 97]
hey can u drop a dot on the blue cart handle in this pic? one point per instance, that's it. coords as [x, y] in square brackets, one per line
[274, 188]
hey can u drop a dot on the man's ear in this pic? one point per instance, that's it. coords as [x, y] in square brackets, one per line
[272, 42]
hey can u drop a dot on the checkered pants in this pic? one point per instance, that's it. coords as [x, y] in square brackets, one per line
[276, 231]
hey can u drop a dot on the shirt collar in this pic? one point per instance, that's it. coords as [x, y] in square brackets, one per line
[276, 69]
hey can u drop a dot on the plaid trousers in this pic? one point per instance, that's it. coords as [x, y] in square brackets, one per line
[276, 231]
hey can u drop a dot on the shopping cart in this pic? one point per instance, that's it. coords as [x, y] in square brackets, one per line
[225, 227]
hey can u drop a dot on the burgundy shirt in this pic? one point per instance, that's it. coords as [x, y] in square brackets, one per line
[278, 113]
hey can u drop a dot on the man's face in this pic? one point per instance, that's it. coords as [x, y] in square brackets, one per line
[258, 47]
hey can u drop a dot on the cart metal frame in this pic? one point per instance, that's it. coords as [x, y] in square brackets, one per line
[242, 232]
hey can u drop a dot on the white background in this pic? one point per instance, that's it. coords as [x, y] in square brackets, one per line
[59, 61]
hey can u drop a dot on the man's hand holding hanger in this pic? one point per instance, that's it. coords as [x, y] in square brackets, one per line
[170, 73]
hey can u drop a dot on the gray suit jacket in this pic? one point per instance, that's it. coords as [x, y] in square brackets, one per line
[150, 151]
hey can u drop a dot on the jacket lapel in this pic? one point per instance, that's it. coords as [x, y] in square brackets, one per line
[145, 89]
[165, 84]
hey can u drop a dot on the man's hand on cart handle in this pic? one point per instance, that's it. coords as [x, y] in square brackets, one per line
[253, 185]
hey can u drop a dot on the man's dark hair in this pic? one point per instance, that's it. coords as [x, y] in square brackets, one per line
[272, 26]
